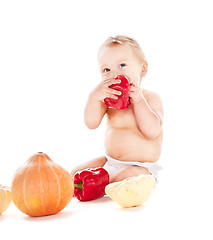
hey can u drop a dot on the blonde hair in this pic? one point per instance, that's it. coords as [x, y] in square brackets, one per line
[122, 39]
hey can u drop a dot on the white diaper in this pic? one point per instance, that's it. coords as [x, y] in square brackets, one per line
[112, 165]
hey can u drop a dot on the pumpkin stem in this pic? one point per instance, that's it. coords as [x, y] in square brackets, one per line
[79, 185]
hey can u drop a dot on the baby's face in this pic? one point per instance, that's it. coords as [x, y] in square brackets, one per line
[120, 60]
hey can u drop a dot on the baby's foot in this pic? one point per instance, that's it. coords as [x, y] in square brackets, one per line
[131, 192]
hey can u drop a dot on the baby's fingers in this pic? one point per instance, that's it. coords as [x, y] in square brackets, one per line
[133, 88]
[112, 96]
[109, 82]
[112, 91]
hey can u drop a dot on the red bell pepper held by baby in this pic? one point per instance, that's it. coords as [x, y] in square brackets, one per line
[123, 100]
[90, 183]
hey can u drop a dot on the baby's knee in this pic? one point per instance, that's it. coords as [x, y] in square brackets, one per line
[129, 171]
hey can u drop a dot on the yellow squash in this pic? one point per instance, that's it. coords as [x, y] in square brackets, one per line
[5, 198]
[131, 192]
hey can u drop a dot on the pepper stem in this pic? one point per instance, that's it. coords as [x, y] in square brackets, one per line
[79, 185]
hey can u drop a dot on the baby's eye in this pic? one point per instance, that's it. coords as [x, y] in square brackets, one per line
[122, 65]
[106, 70]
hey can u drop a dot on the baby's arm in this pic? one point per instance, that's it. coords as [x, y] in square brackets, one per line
[95, 108]
[94, 112]
[148, 111]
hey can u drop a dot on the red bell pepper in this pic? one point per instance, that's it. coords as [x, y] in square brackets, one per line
[90, 183]
[123, 100]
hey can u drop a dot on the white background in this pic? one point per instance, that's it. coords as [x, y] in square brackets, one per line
[48, 66]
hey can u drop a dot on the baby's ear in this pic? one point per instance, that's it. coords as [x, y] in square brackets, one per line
[144, 67]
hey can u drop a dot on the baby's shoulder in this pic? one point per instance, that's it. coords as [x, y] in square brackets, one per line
[148, 94]
[154, 101]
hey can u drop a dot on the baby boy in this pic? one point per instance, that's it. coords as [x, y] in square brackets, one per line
[133, 135]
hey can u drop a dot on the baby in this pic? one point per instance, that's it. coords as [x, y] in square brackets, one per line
[133, 136]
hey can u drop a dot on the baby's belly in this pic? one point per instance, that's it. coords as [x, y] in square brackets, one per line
[130, 145]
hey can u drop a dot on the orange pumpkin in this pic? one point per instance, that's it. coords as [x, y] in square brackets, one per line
[41, 187]
[5, 198]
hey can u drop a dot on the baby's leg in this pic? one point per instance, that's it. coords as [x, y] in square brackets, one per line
[128, 171]
[97, 162]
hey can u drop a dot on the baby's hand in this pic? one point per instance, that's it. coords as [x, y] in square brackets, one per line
[135, 93]
[103, 91]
